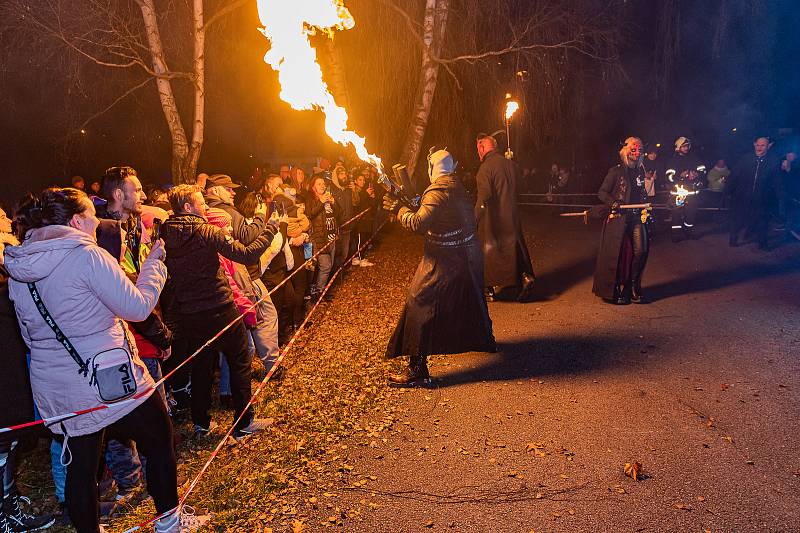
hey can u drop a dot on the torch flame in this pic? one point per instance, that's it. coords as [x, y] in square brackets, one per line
[511, 108]
[288, 26]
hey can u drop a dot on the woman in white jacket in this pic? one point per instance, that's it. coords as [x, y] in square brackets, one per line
[88, 296]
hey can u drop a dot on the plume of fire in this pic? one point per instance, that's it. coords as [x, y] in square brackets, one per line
[288, 24]
[511, 108]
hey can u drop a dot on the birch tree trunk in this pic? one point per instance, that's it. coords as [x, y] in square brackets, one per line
[184, 157]
[434, 31]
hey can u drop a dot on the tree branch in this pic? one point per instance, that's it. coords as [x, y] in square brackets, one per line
[224, 11]
[115, 102]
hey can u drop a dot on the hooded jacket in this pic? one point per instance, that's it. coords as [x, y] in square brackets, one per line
[86, 293]
[197, 280]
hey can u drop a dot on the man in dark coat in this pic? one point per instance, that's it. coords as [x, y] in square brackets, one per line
[625, 241]
[507, 262]
[753, 185]
[445, 311]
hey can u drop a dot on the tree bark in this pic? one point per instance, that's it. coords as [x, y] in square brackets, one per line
[434, 31]
[180, 144]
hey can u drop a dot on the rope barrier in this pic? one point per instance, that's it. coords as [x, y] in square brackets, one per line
[66, 416]
[655, 206]
[259, 389]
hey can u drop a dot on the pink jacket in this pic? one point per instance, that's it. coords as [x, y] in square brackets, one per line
[242, 302]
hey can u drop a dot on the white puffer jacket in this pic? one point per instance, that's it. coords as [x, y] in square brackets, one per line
[87, 294]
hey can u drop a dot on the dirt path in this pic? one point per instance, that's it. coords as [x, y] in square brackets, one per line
[701, 386]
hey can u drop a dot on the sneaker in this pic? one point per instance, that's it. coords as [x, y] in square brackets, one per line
[19, 520]
[365, 263]
[184, 521]
[256, 425]
[356, 261]
[201, 432]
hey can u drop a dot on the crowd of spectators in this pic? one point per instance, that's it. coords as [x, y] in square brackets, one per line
[106, 290]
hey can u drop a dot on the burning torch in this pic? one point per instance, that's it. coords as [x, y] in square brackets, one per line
[511, 107]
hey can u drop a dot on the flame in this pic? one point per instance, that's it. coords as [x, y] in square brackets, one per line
[288, 26]
[511, 108]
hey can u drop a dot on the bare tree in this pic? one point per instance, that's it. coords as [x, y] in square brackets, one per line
[127, 36]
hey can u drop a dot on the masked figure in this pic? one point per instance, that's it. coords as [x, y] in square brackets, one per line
[445, 310]
[625, 241]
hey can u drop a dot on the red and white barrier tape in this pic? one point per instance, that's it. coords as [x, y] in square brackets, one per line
[257, 392]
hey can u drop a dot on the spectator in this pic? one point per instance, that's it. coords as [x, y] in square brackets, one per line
[285, 172]
[717, 179]
[342, 190]
[752, 187]
[791, 177]
[88, 296]
[78, 183]
[298, 181]
[203, 303]
[122, 190]
[297, 234]
[364, 199]
[322, 210]
[245, 229]
[17, 401]
[94, 187]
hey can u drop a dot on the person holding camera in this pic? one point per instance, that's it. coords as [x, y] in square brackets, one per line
[72, 299]
[202, 304]
[323, 211]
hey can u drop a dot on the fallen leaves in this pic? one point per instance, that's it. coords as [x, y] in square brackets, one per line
[633, 470]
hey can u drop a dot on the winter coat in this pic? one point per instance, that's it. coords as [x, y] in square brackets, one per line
[505, 253]
[445, 309]
[315, 211]
[197, 280]
[344, 199]
[86, 293]
[15, 383]
[754, 182]
[243, 231]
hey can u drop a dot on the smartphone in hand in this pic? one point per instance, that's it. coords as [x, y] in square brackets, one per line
[155, 232]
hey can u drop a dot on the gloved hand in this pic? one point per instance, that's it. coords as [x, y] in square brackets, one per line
[391, 204]
[615, 208]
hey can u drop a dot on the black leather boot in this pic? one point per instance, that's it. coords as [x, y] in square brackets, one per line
[416, 375]
[636, 292]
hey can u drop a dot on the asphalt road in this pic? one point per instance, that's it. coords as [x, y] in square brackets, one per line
[701, 386]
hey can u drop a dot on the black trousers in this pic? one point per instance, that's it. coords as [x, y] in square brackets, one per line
[754, 221]
[684, 217]
[194, 330]
[640, 241]
[150, 427]
[8, 453]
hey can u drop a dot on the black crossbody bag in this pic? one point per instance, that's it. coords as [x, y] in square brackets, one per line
[111, 370]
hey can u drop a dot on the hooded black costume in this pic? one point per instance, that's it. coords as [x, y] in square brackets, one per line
[445, 310]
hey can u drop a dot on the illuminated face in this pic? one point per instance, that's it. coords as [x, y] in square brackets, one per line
[273, 184]
[284, 172]
[132, 196]
[684, 149]
[197, 206]
[319, 187]
[360, 181]
[5, 222]
[761, 146]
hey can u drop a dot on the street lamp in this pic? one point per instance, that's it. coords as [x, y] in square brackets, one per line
[511, 108]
